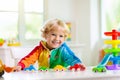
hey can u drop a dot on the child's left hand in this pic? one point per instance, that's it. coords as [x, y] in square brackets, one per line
[77, 67]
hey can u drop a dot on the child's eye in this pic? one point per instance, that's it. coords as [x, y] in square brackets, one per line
[61, 36]
[53, 34]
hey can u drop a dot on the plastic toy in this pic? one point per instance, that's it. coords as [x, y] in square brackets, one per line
[59, 68]
[99, 69]
[30, 68]
[13, 42]
[114, 34]
[1, 68]
[8, 69]
[1, 41]
[43, 68]
[4, 68]
[111, 54]
[77, 67]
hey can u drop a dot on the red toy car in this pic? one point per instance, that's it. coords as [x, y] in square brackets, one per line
[77, 67]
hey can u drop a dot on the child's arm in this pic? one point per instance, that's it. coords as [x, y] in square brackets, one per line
[70, 58]
[29, 59]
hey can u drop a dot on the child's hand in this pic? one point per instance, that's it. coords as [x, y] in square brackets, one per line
[17, 68]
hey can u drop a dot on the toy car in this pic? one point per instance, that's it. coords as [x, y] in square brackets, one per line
[42, 68]
[59, 68]
[30, 68]
[99, 69]
[77, 67]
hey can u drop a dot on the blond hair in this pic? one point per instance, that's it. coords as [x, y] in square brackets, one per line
[48, 26]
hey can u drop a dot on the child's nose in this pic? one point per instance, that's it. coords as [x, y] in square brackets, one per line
[57, 38]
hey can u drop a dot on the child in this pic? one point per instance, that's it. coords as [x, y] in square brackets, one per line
[53, 50]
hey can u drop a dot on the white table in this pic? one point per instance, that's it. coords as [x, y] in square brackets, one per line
[83, 75]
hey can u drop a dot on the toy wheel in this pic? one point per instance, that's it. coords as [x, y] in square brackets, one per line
[41, 70]
[73, 69]
[46, 70]
[56, 70]
[62, 70]
[103, 70]
[78, 69]
[95, 70]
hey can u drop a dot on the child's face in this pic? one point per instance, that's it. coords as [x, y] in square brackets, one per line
[55, 38]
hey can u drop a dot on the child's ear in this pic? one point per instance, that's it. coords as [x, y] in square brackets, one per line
[45, 36]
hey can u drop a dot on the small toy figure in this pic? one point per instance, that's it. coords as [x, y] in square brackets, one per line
[59, 68]
[99, 69]
[111, 54]
[77, 67]
[43, 68]
[30, 68]
[1, 68]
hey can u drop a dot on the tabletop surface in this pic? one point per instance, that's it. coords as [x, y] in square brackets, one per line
[62, 75]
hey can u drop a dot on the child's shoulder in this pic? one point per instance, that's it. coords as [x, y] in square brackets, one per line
[64, 44]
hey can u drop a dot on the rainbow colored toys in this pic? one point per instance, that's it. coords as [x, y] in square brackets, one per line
[111, 54]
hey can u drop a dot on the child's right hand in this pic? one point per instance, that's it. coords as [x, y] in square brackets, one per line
[17, 68]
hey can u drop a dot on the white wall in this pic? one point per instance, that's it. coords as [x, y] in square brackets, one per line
[85, 18]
